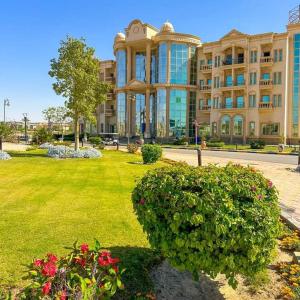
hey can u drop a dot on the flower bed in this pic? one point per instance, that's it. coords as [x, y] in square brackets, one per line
[83, 274]
[67, 152]
[4, 155]
[45, 146]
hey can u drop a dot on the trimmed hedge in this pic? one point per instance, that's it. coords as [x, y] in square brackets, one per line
[215, 144]
[151, 153]
[257, 144]
[212, 219]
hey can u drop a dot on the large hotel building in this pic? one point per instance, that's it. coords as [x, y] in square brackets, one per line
[238, 88]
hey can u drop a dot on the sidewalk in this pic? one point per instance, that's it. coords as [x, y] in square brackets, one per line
[282, 175]
[14, 147]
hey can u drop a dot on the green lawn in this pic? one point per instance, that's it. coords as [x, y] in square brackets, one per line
[46, 204]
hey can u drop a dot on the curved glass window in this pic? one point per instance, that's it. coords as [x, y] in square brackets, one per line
[140, 66]
[179, 63]
[238, 125]
[153, 76]
[162, 63]
[121, 102]
[192, 113]
[121, 68]
[193, 68]
[178, 105]
[140, 114]
[161, 112]
[225, 125]
[152, 115]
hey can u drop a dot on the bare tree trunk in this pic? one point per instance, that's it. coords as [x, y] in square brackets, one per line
[0, 143]
[76, 132]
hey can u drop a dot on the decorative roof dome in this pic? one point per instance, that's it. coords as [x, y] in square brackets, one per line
[167, 27]
[119, 37]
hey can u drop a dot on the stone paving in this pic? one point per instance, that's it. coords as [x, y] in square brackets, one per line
[283, 176]
[14, 147]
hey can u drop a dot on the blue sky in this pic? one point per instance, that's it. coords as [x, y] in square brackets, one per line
[30, 32]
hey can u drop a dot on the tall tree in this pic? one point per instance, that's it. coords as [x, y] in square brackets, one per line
[6, 131]
[49, 115]
[77, 74]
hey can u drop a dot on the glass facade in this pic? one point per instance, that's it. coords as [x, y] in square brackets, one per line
[192, 113]
[228, 80]
[296, 86]
[121, 103]
[140, 66]
[193, 67]
[228, 102]
[240, 79]
[162, 63]
[121, 68]
[140, 114]
[154, 70]
[179, 63]
[161, 112]
[270, 129]
[152, 115]
[240, 102]
[177, 127]
[238, 125]
[225, 125]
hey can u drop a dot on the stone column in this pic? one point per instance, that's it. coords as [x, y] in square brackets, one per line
[189, 66]
[129, 56]
[147, 116]
[167, 112]
[148, 62]
[168, 61]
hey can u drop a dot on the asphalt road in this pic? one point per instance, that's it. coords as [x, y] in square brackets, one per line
[273, 158]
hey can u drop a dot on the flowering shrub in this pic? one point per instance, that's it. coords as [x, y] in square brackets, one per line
[67, 152]
[151, 153]
[212, 219]
[291, 242]
[83, 274]
[291, 274]
[45, 146]
[132, 148]
[4, 155]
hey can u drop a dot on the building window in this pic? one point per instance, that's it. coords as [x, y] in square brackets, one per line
[238, 125]
[154, 70]
[179, 63]
[216, 82]
[228, 80]
[177, 123]
[121, 68]
[121, 102]
[277, 55]
[240, 102]
[214, 129]
[252, 100]
[216, 102]
[277, 78]
[140, 66]
[240, 79]
[225, 125]
[266, 76]
[265, 98]
[270, 129]
[217, 61]
[253, 56]
[152, 115]
[192, 113]
[201, 104]
[228, 102]
[277, 100]
[252, 78]
[140, 114]
[193, 67]
[251, 128]
[161, 112]
[162, 63]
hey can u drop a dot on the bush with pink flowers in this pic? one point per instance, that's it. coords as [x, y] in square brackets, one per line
[83, 274]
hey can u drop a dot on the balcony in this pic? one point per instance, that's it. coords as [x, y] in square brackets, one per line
[109, 112]
[205, 88]
[266, 83]
[206, 68]
[266, 60]
[265, 105]
[110, 79]
[235, 85]
[240, 62]
[205, 108]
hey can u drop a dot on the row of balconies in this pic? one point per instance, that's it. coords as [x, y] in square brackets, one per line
[265, 61]
[261, 105]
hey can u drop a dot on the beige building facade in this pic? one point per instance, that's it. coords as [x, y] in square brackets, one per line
[238, 88]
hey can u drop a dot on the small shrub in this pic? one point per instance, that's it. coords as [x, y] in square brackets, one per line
[4, 155]
[151, 153]
[212, 219]
[67, 152]
[181, 141]
[83, 274]
[95, 140]
[132, 148]
[215, 144]
[257, 144]
[258, 280]
[42, 135]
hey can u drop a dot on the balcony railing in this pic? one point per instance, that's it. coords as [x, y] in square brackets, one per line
[205, 87]
[233, 106]
[233, 61]
[265, 105]
[266, 59]
[205, 107]
[233, 83]
[266, 82]
[205, 67]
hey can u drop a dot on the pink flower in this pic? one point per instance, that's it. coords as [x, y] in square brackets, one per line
[259, 196]
[270, 184]
[142, 201]
[46, 288]
[63, 295]
[84, 248]
[52, 258]
[49, 269]
[38, 262]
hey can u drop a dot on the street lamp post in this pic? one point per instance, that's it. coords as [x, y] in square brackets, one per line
[25, 120]
[5, 103]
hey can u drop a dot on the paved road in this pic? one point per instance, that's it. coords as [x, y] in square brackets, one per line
[281, 159]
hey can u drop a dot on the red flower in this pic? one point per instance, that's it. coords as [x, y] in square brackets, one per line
[38, 262]
[80, 261]
[270, 184]
[142, 201]
[46, 288]
[52, 258]
[84, 248]
[113, 260]
[63, 295]
[103, 261]
[49, 269]
[115, 268]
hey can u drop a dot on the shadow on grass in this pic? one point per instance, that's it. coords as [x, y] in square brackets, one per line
[26, 154]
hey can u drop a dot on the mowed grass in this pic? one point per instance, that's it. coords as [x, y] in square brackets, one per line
[47, 204]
